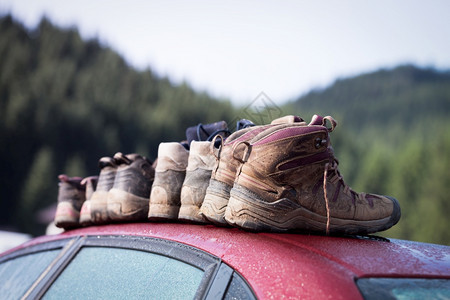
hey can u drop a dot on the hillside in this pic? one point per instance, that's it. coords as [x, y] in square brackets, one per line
[405, 96]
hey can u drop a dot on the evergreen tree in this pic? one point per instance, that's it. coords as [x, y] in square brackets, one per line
[39, 190]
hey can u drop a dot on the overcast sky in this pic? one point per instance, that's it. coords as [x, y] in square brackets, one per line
[238, 49]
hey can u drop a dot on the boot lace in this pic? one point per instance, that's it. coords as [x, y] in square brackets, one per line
[332, 168]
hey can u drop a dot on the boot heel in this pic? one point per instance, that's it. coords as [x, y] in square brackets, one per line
[216, 201]
[245, 210]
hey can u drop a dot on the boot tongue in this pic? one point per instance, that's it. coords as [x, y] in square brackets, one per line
[287, 120]
[90, 184]
[206, 132]
[106, 162]
[316, 120]
[328, 121]
[121, 158]
[243, 123]
[74, 181]
[91, 180]
[63, 178]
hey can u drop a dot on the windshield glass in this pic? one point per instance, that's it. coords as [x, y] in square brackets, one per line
[18, 274]
[404, 288]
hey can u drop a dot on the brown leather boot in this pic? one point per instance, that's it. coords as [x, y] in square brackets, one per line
[175, 165]
[71, 196]
[169, 176]
[290, 181]
[128, 198]
[90, 184]
[108, 170]
[198, 172]
[224, 171]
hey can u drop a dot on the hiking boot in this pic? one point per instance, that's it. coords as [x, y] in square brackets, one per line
[99, 209]
[169, 176]
[198, 172]
[173, 159]
[90, 184]
[71, 196]
[128, 198]
[290, 181]
[226, 166]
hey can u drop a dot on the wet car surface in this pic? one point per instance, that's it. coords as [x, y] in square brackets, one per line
[227, 263]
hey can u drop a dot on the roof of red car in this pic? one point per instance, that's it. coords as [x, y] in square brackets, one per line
[294, 264]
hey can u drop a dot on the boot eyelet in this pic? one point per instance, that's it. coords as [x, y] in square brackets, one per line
[319, 142]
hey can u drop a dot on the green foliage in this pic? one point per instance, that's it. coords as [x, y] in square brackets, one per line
[37, 190]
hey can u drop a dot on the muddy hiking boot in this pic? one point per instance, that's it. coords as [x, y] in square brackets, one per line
[90, 184]
[108, 169]
[226, 166]
[169, 176]
[128, 198]
[71, 196]
[198, 173]
[173, 161]
[290, 181]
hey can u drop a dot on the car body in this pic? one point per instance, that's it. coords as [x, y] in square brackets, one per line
[268, 265]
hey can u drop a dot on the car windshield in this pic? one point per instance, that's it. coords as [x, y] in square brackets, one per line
[404, 288]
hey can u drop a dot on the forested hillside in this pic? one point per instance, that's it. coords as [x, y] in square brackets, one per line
[402, 98]
[393, 137]
[65, 102]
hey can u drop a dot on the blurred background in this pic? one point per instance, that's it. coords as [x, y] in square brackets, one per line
[86, 79]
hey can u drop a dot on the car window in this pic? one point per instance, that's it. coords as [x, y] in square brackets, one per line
[18, 274]
[238, 289]
[111, 267]
[107, 273]
[404, 288]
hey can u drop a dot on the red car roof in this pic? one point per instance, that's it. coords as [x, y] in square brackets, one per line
[278, 265]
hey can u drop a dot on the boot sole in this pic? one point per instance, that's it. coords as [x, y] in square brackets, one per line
[123, 206]
[66, 216]
[193, 194]
[215, 202]
[191, 201]
[163, 205]
[246, 210]
[99, 206]
[85, 214]
[191, 214]
[162, 212]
